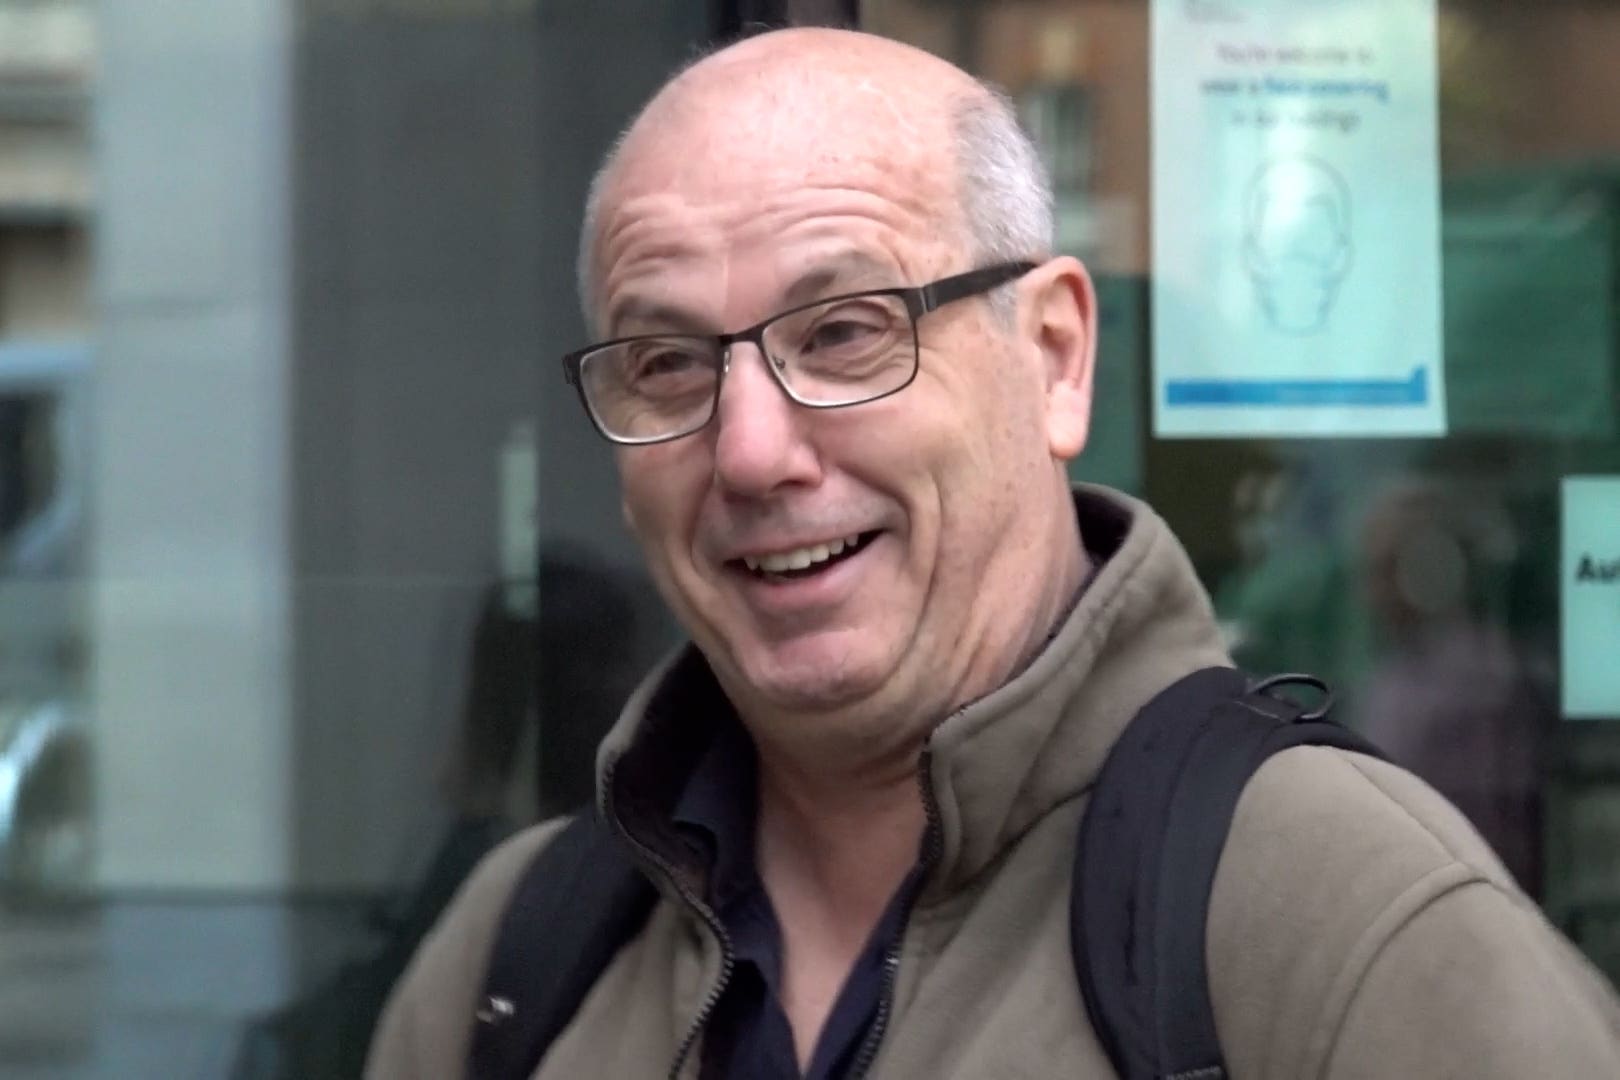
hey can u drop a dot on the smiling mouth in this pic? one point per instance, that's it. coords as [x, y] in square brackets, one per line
[803, 562]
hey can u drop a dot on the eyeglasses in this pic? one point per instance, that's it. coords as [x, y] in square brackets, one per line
[830, 354]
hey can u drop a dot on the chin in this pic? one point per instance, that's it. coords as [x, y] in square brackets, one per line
[824, 693]
[820, 686]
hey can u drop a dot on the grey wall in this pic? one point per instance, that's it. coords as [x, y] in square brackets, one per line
[440, 163]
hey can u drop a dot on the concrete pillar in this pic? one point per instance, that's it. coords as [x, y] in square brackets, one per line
[189, 553]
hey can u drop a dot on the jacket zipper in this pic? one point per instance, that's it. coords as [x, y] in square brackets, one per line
[713, 998]
[727, 958]
[891, 958]
[932, 843]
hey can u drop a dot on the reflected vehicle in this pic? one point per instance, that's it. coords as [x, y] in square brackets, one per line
[45, 801]
[46, 798]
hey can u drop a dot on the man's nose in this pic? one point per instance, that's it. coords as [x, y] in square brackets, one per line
[761, 435]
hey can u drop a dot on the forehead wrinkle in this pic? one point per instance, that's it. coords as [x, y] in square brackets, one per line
[907, 214]
[656, 233]
[675, 227]
[830, 272]
[782, 156]
[642, 227]
[665, 228]
[862, 239]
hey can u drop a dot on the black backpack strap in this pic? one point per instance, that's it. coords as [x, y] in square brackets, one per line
[576, 904]
[1145, 864]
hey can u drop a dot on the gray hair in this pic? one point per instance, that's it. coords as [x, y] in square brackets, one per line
[585, 265]
[1003, 191]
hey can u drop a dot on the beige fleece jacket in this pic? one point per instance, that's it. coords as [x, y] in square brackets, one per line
[1358, 927]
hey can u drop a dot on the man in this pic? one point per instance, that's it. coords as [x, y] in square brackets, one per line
[858, 790]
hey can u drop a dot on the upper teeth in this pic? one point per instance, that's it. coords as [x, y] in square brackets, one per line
[799, 558]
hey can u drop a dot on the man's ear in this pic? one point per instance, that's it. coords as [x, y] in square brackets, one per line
[1063, 312]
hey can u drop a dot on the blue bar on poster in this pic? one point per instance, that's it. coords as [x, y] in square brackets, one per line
[1299, 392]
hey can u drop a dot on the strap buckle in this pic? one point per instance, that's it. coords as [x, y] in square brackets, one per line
[1267, 685]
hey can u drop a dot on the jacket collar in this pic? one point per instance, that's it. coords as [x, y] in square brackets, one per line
[994, 767]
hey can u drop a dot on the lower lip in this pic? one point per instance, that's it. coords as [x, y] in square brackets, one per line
[796, 596]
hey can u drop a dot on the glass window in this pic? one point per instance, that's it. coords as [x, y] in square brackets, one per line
[1422, 577]
[279, 459]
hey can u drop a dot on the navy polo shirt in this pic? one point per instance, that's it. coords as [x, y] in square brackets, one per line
[747, 1035]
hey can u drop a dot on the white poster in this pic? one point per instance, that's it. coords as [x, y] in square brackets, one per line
[1296, 220]
[1591, 597]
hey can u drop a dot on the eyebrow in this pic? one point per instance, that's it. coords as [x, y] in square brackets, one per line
[845, 272]
[660, 314]
[848, 270]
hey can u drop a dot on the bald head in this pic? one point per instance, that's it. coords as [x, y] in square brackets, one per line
[816, 105]
[887, 82]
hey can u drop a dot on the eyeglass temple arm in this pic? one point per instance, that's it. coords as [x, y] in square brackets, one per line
[971, 283]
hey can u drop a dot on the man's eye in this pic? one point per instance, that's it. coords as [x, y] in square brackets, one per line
[848, 327]
[664, 365]
[841, 334]
[665, 362]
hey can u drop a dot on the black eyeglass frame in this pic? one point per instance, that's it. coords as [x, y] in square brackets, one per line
[919, 301]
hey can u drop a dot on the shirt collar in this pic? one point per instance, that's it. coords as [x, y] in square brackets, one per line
[717, 810]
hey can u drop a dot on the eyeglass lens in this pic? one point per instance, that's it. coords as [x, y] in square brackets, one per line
[839, 353]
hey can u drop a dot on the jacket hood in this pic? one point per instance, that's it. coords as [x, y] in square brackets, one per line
[999, 764]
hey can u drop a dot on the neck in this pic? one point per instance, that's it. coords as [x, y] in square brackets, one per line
[841, 842]
[1069, 567]
[831, 856]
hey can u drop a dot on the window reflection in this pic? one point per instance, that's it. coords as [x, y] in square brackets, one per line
[274, 281]
[1421, 577]
[1451, 694]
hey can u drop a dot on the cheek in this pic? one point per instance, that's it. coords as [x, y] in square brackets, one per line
[992, 457]
[942, 445]
[655, 515]
[980, 436]
[658, 499]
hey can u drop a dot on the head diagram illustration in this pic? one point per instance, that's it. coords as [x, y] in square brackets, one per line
[1296, 241]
